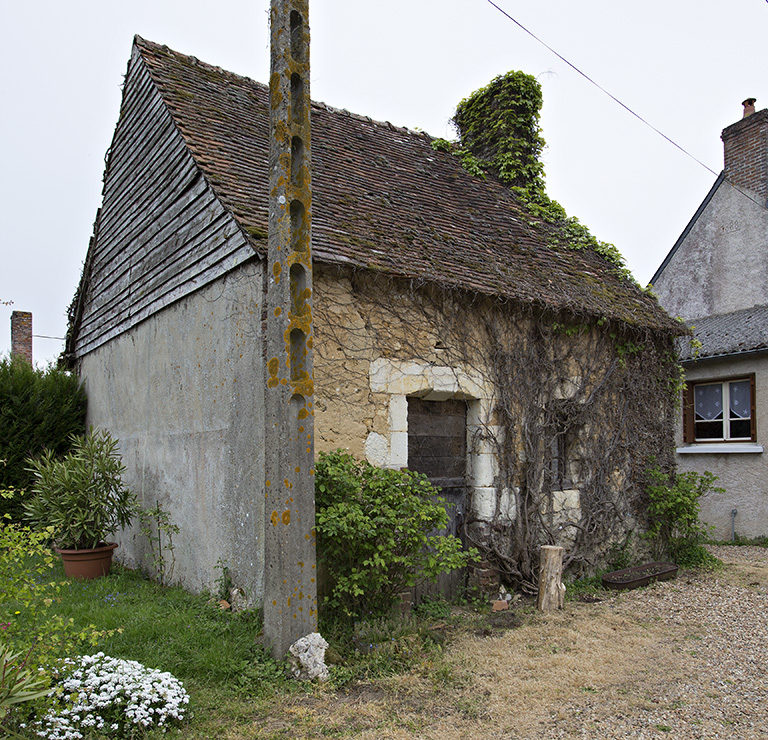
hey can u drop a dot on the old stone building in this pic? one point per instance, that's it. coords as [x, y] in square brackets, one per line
[454, 332]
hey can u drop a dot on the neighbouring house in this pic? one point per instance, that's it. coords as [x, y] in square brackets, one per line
[454, 332]
[716, 278]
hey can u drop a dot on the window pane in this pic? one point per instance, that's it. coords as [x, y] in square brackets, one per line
[740, 401]
[741, 429]
[709, 429]
[708, 401]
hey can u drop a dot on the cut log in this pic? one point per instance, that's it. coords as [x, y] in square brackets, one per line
[551, 587]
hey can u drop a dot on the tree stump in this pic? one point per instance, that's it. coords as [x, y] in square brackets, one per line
[551, 587]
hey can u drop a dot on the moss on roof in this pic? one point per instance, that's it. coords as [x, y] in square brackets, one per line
[385, 199]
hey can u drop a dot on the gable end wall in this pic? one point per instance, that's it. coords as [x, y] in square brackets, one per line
[722, 263]
[162, 233]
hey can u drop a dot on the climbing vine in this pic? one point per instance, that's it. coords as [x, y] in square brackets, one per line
[573, 403]
[499, 132]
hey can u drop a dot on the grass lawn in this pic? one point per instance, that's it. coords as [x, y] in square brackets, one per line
[236, 690]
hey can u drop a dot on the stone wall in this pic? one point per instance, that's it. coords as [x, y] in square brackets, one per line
[379, 341]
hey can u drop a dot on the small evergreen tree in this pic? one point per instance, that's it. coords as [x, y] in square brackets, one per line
[39, 409]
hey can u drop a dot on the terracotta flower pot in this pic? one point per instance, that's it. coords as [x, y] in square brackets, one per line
[92, 563]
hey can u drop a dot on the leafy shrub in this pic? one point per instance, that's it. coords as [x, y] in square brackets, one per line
[33, 637]
[81, 496]
[375, 534]
[673, 514]
[28, 591]
[39, 409]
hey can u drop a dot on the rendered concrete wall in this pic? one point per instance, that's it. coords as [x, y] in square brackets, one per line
[722, 265]
[744, 475]
[183, 393]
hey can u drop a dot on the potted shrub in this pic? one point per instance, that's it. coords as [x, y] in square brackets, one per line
[83, 497]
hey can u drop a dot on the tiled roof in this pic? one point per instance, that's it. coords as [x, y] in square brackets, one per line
[384, 199]
[729, 333]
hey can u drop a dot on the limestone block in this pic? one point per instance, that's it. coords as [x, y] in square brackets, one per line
[566, 501]
[418, 378]
[483, 503]
[485, 468]
[508, 504]
[482, 437]
[398, 450]
[440, 395]
[567, 388]
[398, 413]
[307, 658]
[401, 378]
[443, 381]
[377, 449]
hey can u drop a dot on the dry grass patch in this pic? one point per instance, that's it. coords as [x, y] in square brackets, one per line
[517, 684]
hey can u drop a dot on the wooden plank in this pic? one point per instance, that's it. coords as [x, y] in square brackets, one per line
[437, 438]
[214, 272]
[120, 249]
[123, 306]
[127, 275]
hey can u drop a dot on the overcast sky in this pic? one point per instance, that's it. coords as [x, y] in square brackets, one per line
[683, 65]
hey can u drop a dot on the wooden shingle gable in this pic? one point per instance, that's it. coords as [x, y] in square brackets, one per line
[161, 232]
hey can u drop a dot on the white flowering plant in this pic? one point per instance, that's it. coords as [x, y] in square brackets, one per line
[100, 696]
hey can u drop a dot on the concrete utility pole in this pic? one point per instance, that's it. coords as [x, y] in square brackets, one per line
[290, 588]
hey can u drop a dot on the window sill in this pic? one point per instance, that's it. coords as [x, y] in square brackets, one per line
[720, 448]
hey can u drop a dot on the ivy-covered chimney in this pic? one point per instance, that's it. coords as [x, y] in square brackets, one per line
[499, 124]
[746, 150]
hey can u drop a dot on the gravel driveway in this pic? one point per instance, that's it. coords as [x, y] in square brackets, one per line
[681, 659]
[702, 674]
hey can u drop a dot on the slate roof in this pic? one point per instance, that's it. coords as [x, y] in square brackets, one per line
[729, 334]
[384, 199]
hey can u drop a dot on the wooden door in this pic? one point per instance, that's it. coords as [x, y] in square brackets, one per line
[437, 447]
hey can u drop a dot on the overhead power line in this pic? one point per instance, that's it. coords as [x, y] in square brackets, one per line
[601, 88]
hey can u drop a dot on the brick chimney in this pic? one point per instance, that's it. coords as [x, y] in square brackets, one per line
[746, 150]
[21, 335]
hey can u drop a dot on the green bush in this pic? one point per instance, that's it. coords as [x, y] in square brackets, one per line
[29, 590]
[82, 497]
[673, 515]
[39, 409]
[376, 535]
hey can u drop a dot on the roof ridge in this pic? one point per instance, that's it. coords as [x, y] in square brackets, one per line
[153, 46]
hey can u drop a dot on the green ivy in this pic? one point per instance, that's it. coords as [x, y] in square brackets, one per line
[499, 131]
